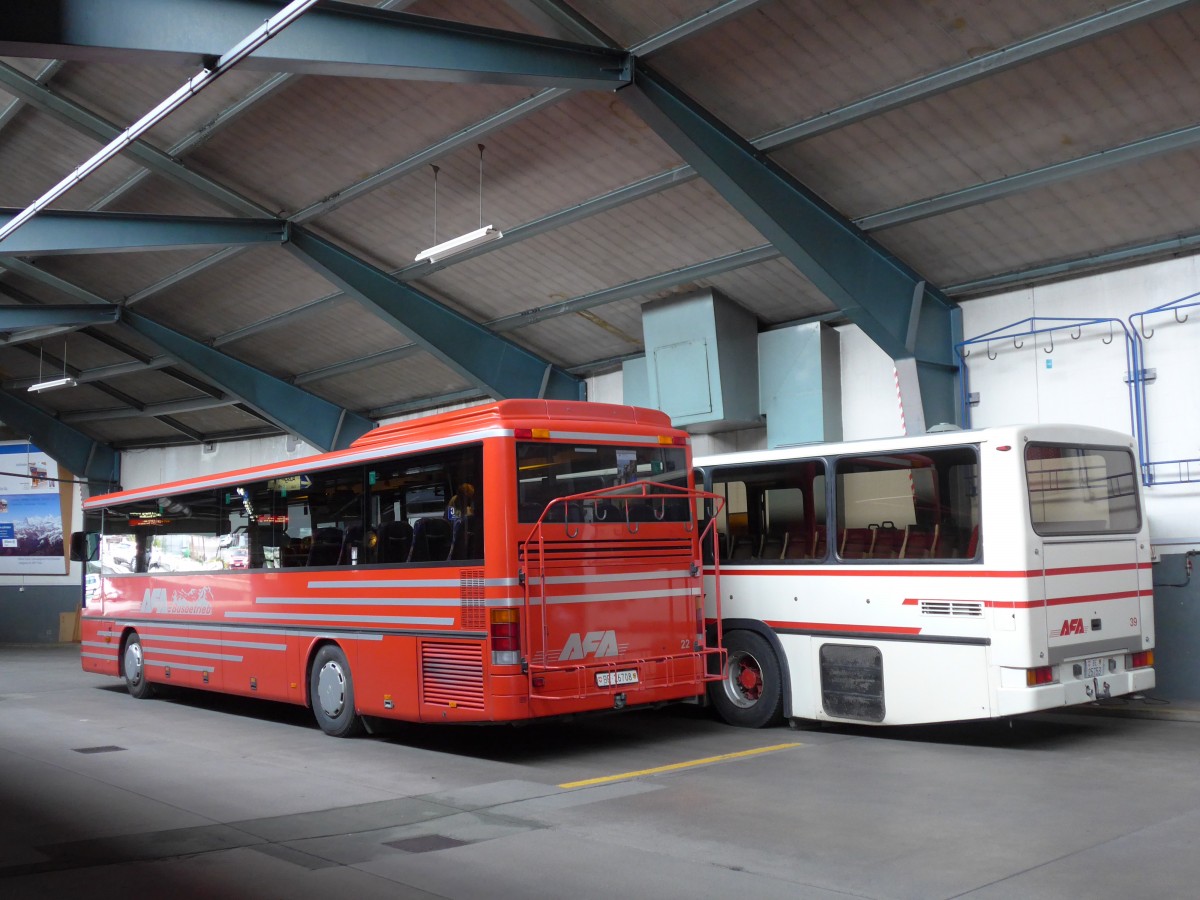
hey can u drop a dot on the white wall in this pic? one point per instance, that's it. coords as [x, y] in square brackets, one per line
[1084, 380]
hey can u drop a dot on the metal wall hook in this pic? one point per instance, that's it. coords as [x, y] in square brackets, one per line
[1077, 333]
[1049, 349]
[1110, 335]
[1142, 328]
[963, 353]
[990, 353]
[1018, 344]
[1177, 319]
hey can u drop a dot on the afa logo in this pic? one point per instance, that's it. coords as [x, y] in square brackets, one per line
[594, 643]
[196, 602]
[1070, 626]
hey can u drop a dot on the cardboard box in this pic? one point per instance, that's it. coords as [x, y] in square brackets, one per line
[68, 627]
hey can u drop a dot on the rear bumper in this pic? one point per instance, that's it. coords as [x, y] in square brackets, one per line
[1013, 701]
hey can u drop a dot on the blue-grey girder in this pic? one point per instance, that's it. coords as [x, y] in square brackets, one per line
[18, 318]
[338, 39]
[59, 232]
[323, 424]
[893, 305]
[79, 454]
[493, 364]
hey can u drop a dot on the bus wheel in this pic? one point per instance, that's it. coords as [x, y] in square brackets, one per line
[134, 664]
[750, 694]
[332, 693]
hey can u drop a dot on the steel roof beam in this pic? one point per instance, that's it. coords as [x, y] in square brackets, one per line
[1035, 178]
[92, 460]
[893, 305]
[15, 318]
[491, 363]
[334, 39]
[323, 424]
[60, 232]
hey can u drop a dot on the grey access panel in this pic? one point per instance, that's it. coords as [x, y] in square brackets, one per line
[702, 361]
[799, 384]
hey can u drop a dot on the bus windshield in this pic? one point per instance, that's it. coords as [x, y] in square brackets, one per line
[1081, 490]
[546, 471]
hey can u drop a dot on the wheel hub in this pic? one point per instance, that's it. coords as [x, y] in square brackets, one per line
[331, 691]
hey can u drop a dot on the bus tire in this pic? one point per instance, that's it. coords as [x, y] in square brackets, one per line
[133, 666]
[750, 692]
[331, 689]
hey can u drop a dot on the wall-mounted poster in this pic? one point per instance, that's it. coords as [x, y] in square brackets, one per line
[32, 510]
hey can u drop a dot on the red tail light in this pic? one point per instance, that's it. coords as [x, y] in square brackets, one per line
[1142, 660]
[1040, 675]
[505, 633]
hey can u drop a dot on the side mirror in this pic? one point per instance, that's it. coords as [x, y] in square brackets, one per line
[85, 546]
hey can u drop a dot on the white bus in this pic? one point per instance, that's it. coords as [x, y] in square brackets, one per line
[945, 577]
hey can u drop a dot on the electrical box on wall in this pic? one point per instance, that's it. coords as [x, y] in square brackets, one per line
[702, 361]
[800, 384]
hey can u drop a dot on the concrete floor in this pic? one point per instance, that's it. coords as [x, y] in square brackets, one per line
[202, 796]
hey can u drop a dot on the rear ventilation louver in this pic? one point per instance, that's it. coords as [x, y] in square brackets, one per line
[452, 674]
[472, 612]
[957, 608]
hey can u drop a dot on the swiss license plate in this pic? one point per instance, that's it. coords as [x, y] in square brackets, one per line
[612, 679]
[1094, 667]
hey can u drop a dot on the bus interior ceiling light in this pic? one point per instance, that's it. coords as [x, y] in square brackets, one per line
[65, 381]
[460, 244]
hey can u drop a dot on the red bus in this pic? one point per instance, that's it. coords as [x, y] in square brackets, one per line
[505, 562]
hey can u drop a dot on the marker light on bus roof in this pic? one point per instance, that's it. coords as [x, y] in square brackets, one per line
[527, 433]
[672, 440]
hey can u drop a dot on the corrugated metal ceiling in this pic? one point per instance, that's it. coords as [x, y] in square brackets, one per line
[350, 158]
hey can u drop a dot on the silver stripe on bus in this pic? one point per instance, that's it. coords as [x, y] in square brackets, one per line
[250, 629]
[177, 665]
[627, 438]
[363, 601]
[212, 642]
[317, 617]
[454, 583]
[104, 656]
[619, 576]
[196, 654]
[555, 599]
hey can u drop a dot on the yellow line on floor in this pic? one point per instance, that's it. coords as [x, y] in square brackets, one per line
[708, 760]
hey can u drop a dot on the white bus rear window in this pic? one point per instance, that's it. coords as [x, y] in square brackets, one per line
[1081, 490]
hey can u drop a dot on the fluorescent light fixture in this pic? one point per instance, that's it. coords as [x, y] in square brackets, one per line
[461, 243]
[65, 381]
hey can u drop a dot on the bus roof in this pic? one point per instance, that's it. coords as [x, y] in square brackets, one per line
[1000, 434]
[576, 418]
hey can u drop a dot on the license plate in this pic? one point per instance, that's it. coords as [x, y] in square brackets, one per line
[612, 679]
[1094, 668]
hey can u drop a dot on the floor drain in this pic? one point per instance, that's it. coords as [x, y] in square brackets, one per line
[108, 749]
[425, 843]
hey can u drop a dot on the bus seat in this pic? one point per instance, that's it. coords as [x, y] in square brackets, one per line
[326, 547]
[774, 546]
[395, 541]
[889, 542]
[857, 543]
[462, 539]
[431, 540]
[744, 546]
[919, 543]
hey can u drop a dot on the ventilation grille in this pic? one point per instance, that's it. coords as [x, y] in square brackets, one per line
[452, 674]
[473, 612]
[957, 608]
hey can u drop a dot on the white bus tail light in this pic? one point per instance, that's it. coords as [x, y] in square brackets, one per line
[505, 633]
[1142, 660]
[1040, 675]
